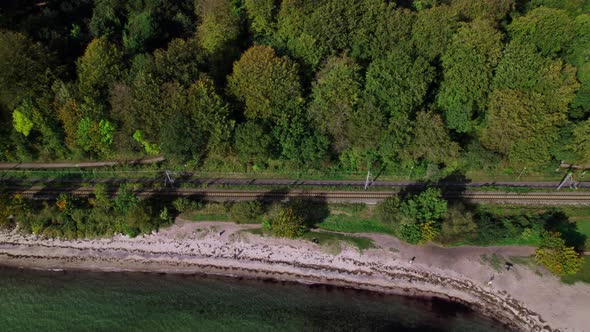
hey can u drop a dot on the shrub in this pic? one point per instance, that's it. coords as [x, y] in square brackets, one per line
[428, 231]
[287, 223]
[183, 204]
[410, 233]
[457, 225]
[388, 211]
[246, 212]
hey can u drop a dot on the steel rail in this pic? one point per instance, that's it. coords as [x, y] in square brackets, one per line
[192, 180]
[355, 196]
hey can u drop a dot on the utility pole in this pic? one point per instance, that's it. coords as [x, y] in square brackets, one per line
[518, 178]
[168, 179]
[369, 180]
[569, 180]
[581, 177]
[410, 174]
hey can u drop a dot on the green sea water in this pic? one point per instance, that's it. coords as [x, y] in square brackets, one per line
[84, 301]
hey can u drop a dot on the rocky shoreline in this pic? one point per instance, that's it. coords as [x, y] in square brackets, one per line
[199, 248]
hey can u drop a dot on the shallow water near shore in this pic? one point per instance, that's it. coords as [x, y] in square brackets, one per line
[55, 301]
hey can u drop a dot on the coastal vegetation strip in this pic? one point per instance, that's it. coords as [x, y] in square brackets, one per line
[415, 217]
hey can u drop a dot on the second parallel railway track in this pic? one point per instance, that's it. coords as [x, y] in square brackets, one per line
[554, 198]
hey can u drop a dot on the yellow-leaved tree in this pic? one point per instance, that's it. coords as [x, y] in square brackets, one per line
[556, 256]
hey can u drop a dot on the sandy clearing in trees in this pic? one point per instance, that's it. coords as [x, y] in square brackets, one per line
[523, 297]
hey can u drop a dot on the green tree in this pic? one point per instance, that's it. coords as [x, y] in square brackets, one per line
[399, 82]
[433, 30]
[572, 6]
[220, 24]
[25, 69]
[430, 140]
[300, 142]
[262, 15]
[468, 68]
[211, 113]
[521, 67]
[368, 123]
[331, 21]
[106, 19]
[579, 56]
[150, 148]
[138, 221]
[310, 31]
[98, 68]
[550, 30]
[383, 28]
[140, 30]
[335, 94]
[394, 140]
[414, 218]
[95, 136]
[253, 143]
[426, 206]
[101, 198]
[484, 9]
[21, 118]
[125, 200]
[146, 104]
[581, 141]
[529, 105]
[301, 45]
[197, 122]
[556, 256]
[520, 126]
[287, 223]
[180, 62]
[180, 141]
[266, 84]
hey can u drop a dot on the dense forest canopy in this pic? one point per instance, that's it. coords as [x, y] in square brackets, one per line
[298, 84]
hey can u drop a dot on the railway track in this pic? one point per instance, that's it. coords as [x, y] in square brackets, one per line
[195, 180]
[371, 197]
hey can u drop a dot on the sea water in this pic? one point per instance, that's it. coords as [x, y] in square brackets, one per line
[89, 301]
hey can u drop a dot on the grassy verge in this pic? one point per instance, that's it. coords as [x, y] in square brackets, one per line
[329, 239]
[581, 215]
[352, 218]
[209, 212]
[352, 224]
[583, 275]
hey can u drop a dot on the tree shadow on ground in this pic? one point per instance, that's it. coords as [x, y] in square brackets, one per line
[558, 221]
[313, 209]
[452, 187]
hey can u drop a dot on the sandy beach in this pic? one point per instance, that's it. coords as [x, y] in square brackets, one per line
[525, 298]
